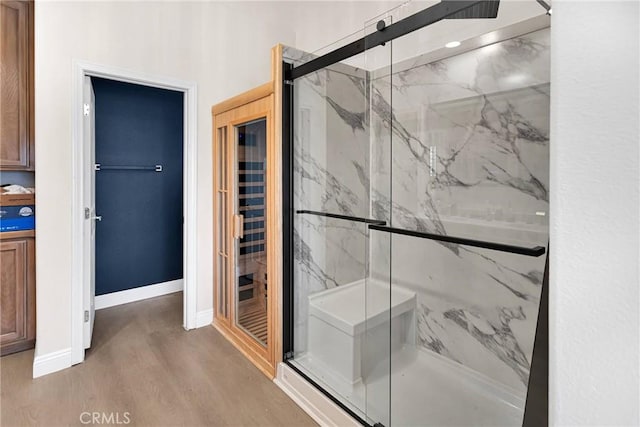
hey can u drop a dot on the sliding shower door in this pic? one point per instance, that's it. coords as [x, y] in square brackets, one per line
[419, 217]
[469, 156]
[331, 211]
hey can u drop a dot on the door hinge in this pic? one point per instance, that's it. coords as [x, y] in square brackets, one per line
[87, 213]
[288, 82]
[288, 355]
[86, 109]
[86, 315]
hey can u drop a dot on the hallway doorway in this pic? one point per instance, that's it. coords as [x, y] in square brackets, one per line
[139, 168]
[135, 210]
[135, 187]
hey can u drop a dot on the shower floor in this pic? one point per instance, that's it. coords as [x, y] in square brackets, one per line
[425, 390]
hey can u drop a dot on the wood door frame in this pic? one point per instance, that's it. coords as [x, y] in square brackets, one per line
[277, 78]
[229, 114]
[81, 69]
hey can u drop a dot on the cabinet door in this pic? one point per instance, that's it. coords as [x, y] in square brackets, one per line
[13, 285]
[15, 85]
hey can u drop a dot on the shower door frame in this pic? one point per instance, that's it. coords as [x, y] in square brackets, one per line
[288, 254]
[440, 11]
[419, 20]
[431, 15]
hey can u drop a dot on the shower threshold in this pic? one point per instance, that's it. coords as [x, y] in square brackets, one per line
[445, 396]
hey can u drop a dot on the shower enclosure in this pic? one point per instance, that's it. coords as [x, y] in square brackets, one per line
[416, 219]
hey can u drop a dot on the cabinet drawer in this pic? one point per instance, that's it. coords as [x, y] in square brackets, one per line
[17, 294]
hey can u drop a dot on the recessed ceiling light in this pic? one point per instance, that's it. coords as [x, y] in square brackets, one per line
[452, 44]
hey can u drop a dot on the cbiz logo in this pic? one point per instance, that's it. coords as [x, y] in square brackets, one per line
[105, 418]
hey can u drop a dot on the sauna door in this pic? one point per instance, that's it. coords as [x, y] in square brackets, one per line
[243, 304]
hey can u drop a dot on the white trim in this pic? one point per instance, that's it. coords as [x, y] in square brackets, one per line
[51, 362]
[80, 70]
[190, 206]
[204, 318]
[138, 294]
[311, 400]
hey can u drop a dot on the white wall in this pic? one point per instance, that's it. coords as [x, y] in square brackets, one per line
[213, 44]
[225, 47]
[594, 213]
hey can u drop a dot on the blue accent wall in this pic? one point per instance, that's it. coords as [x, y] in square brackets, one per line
[139, 240]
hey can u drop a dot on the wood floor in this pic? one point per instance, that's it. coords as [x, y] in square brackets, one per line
[143, 362]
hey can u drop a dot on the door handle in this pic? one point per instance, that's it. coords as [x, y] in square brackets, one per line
[87, 215]
[238, 226]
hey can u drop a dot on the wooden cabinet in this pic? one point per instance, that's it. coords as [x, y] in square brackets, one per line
[16, 85]
[17, 282]
[17, 291]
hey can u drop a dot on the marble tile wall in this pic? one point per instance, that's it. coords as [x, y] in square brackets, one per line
[331, 147]
[464, 151]
[468, 156]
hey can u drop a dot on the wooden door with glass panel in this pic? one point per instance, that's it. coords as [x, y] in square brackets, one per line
[241, 212]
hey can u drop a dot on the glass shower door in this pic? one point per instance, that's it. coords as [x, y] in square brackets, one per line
[420, 200]
[336, 342]
[469, 127]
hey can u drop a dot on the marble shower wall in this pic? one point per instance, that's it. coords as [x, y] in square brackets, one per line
[331, 149]
[466, 150]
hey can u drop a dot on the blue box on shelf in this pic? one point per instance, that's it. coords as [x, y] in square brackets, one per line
[17, 218]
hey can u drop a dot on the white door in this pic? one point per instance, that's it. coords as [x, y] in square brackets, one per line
[90, 217]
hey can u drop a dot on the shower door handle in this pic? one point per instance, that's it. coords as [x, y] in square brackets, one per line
[238, 226]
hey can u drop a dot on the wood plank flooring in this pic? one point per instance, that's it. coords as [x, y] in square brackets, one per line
[143, 362]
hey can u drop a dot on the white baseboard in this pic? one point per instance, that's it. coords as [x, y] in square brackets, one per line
[311, 400]
[138, 294]
[204, 318]
[51, 362]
